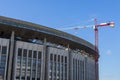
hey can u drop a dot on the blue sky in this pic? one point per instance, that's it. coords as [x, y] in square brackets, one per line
[69, 13]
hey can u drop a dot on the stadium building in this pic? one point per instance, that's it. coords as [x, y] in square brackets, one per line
[30, 51]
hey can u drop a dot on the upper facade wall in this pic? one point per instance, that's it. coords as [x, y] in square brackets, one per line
[48, 31]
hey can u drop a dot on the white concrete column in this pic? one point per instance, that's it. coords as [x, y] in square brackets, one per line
[43, 60]
[9, 70]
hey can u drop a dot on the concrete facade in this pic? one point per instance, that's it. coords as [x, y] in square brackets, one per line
[27, 54]
[4, 47]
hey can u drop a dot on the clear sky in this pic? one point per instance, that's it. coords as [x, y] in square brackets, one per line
[69, 13]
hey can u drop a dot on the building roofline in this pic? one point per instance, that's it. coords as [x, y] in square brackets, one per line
[44, 29]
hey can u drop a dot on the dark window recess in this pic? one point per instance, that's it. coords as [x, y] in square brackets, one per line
[25, 53]
[58, 58]
[0, 48]
[51, 57]
[34, 54]
[39, 55]
[65, 59]
[23, 78]
[19, 52]
[54, 57]
[38, 78]
[30, 53]
[17, 77]
[28, 78]
[4, 49]
[62, 59]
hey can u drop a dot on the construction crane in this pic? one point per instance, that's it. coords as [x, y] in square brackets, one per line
[111, 24]
[95, 27]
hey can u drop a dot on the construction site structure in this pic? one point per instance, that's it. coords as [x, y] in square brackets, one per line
[95, 27]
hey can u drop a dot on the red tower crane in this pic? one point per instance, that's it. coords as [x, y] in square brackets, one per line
[95, 26]
[111, 24]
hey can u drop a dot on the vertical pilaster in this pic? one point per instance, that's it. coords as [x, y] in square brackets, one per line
[60, 67]
[31, 66]
[26, 66]
[10, 59]
[36, 65]
[63, 67]
[85, 68]
[57, 65]
[68, 64]
[21, 64]
[44, 61]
